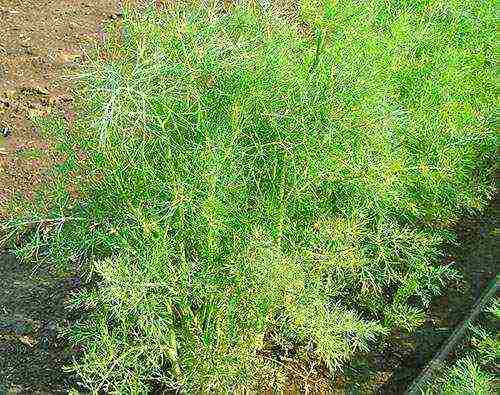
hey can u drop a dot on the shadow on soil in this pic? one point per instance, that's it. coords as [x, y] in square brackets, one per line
[33, 318]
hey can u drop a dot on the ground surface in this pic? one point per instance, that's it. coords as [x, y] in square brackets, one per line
[33, 316]
[41, 44]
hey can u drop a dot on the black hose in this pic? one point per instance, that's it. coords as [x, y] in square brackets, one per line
[420, 381]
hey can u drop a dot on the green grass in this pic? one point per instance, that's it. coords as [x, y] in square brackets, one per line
[250, 188]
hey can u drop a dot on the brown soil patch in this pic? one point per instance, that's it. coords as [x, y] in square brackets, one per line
[42, 43]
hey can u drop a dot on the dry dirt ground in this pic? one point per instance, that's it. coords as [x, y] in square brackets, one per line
[42, 42]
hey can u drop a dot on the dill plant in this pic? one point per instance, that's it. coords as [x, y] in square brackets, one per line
[249, 187]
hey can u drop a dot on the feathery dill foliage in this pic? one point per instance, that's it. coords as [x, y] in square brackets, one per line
[259, 188]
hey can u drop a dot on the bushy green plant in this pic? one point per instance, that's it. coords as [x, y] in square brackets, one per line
[248, 186]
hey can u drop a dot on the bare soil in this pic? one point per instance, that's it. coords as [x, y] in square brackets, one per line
[42, 42]
[33, 319]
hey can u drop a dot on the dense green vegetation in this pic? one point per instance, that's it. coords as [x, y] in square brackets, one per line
[250, 185]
